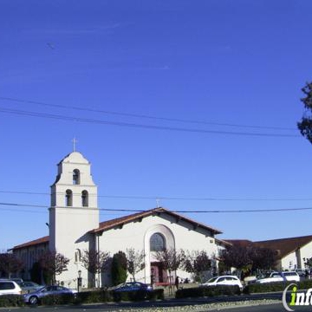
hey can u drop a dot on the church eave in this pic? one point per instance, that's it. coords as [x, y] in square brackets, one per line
[119, 222]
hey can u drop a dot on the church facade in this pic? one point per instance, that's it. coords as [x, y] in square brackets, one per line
[74, 227]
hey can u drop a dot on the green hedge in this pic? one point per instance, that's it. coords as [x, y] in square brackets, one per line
[101, 296]
[210, 291]
[139, 295]
[95, 296]
[11, 301]
[57, 299]
[278, 286]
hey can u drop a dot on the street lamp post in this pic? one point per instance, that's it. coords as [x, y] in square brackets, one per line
[79, 280]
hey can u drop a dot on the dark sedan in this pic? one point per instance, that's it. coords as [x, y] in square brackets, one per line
[34, 297]
[133, 286]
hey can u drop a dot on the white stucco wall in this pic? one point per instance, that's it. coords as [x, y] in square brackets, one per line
[137, 235]
[295, 259]
[70, 224]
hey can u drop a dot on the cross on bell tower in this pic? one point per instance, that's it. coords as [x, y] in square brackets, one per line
[74, 144]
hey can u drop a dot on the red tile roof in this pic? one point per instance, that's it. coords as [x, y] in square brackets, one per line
[107, 225]
[285, 246]
[39, 241]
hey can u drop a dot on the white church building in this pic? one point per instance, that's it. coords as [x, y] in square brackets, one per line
[74, 226]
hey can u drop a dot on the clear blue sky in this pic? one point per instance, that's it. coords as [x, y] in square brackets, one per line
[224, 69]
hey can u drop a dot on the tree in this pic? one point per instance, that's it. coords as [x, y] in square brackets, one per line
[305, 125]
[198, 263]
[10, 264]
[135, 261]
[236, 256]
[248, 258]
[52, 264]
[95, 262]
[119, 268]
[171, 259]
[262, 258]
[308, 262]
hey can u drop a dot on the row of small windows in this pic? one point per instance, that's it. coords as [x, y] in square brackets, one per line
[84, 198]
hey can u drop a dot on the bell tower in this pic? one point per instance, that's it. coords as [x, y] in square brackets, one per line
[73, 212]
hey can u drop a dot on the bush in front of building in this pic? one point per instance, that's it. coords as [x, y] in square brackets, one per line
[119, 268]
[58, 299]
[277, 286]
[210, 291]
[138, 295]
[94, 296]
[11, 301]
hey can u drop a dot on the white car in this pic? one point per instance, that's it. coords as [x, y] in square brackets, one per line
[290, 276]
[224, 280]
[8, 287]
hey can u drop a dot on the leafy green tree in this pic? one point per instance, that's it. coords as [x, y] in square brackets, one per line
[305, 125]
[119, 268]
[135, 261]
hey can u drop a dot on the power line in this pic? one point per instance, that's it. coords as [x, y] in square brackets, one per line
[138, 197]
[77, 108]
[219, 211]
[135, 125]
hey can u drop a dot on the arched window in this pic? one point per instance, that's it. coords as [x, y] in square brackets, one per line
[76, 177]
[77, 255]
[157, 242]
[85, 199]
[69, 198]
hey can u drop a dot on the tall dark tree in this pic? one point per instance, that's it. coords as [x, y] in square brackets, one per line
[262, 258]
[197, 262]
[95, 262]
[249, 258]
[52, 264]
[305, 125]
[10, 264]
[236, 256]
[119, 268]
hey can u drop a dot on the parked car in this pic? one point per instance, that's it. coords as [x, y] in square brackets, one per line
[140, 289]
[34, 297]
[133, 286]
[224, 280]
[8, 287]
[302, 273]
[274, 277]
[29, 286]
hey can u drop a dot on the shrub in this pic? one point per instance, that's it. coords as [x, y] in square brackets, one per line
[119, 268]
[278, 286]
[210, 291]
[138, 295]
[57, 299]
[95, 296]
[11, 301]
